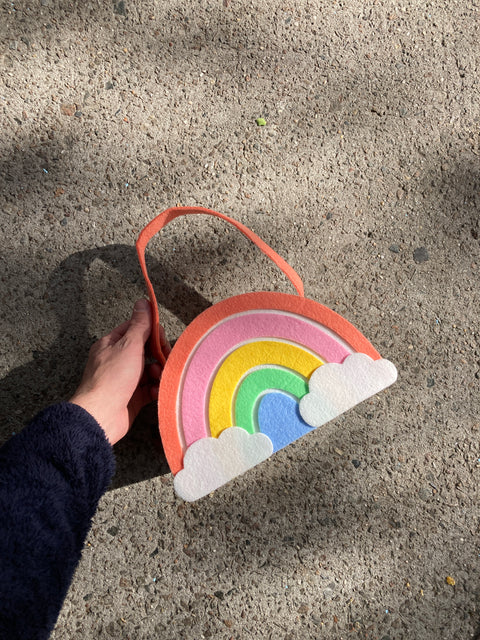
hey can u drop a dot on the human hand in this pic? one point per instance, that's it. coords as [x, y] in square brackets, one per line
[116, 384]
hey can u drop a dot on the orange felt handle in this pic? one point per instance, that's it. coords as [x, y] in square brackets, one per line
[160, 346]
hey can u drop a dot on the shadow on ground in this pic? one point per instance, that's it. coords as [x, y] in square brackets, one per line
[54, 373]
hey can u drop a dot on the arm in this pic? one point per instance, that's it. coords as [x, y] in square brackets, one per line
[52, 476]
[55, 471]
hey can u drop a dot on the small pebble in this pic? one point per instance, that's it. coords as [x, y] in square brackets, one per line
[394, 248]
[68, 109]
[113, 531]
[421, 255]
[430, 382]
[119, 8]
[356, 463]
[425, 494]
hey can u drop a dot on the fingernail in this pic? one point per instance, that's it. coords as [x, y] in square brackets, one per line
[141, 305]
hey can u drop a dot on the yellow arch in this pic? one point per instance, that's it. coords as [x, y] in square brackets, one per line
[239, 362]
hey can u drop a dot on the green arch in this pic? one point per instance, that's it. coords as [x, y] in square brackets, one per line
[255, 384]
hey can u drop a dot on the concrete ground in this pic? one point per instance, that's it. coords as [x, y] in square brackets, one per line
[366, 178]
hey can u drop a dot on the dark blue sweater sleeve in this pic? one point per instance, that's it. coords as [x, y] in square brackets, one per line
[52, 475]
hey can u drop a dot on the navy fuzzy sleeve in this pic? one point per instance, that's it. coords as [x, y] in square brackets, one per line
[52, 475]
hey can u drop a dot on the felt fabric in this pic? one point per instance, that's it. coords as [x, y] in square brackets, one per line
[171, 384]
[212, 462]
[52, 475]
[159, 347]
[336, 388]
[280, 420]
[254, 387]
[228, 335]
[213, 381]
[239, 363]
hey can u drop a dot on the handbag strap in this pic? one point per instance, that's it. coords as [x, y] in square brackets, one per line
[160, 346]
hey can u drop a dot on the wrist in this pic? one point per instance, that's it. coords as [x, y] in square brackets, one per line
[89, 403]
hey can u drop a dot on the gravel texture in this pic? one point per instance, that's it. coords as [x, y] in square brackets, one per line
[365, 177]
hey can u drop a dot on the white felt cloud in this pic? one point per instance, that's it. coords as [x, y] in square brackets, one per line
[335, 388]
[211, 462]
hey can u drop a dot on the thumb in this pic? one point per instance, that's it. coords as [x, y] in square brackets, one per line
[141, 322]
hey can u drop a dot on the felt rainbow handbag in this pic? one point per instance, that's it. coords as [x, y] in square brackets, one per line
[253, 373]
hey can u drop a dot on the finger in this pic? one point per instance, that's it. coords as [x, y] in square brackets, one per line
[140, 324]
[154, 371]
[117, 333]
[140, 398]
[151, 375]
[145, 379]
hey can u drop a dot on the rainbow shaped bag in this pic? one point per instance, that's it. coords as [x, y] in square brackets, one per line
[253, 373]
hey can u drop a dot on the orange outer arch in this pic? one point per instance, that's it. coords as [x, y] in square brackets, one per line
[259, 300]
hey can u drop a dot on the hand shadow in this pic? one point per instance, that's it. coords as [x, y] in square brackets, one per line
[53, 374]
